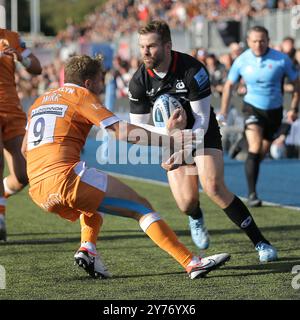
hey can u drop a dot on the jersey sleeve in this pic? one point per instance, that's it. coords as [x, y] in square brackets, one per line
[290, 69]
[198, 83]
[138, 100]
[234, 72]
[91, 108]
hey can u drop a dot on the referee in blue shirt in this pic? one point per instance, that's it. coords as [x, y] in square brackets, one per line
[263, 70]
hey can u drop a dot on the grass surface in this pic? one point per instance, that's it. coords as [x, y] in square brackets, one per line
[38, 257]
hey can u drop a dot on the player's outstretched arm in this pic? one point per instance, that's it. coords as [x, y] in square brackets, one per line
[30, 62]
[136, 135]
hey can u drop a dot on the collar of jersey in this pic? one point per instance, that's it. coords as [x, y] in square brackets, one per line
[172, 67]
[72, 85]
[267, 51]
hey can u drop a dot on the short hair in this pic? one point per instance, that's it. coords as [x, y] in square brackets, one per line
[82, 67]
[159, 27]
[258, 29]
[288, 38]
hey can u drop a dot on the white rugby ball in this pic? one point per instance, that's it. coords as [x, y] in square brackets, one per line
[278, 151]
[163, 107]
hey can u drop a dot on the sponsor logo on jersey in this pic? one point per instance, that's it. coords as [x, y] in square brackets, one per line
[180, 84]
[202, 79]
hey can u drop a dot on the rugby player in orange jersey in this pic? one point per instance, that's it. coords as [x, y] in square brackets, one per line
[58, 124]
[12, 118]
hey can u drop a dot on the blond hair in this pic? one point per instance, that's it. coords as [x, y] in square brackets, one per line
[82, 67]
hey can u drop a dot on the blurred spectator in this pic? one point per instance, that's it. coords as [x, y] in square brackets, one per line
[122, 79]
[235, 50]
[117, 19]
[288, 47]
[217, 73]
[201, 55]
[110, 90]
[226, 60]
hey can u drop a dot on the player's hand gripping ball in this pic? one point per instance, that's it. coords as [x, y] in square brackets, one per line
[168, 112]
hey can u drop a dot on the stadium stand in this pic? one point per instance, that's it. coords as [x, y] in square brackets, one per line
[119, 19]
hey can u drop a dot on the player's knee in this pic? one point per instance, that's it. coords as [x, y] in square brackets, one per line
[213, 188]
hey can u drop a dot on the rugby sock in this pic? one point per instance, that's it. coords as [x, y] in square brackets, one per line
[238, 213]
[90, 247]
[252, 170]
[2, 207]
[90, 227]
[7, 191]
[196, 213]
[163, 236]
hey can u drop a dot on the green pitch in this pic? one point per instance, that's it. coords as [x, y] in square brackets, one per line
[38, 257]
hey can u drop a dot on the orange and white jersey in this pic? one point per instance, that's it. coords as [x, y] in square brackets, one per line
[58, 124]
[8, 92]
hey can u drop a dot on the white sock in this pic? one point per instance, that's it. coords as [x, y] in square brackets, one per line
[194, 261]
[90, 247]
[7, 190]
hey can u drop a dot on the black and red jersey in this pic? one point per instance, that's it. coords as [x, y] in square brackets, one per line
[187, 79]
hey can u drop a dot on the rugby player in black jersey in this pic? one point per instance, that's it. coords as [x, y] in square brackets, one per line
[167, 71]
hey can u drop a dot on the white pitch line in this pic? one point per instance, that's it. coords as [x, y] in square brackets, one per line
[166, 184]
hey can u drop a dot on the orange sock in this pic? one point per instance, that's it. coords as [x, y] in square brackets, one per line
[90, 227]
[165, 238]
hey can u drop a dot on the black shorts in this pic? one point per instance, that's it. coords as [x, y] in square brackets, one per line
[268, 120]
[213, 137]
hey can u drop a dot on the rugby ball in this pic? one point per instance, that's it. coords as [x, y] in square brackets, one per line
[278, 151]
[163, 107]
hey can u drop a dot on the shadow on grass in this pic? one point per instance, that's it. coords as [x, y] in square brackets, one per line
[260, 269]
[283, 265]
[282, 228]
[83, 277]
[125, 231]
[68, 240]
[69, 232]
